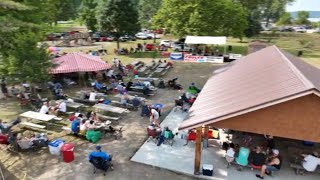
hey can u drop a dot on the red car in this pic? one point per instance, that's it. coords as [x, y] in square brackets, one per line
[105, 38]
[158, 31]
[149, 47]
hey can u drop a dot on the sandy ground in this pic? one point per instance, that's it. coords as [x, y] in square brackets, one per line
[42, 165]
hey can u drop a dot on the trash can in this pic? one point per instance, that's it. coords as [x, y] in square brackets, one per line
[55, 145]
[67, 152]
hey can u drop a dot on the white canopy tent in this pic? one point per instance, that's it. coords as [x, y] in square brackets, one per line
[216, 40]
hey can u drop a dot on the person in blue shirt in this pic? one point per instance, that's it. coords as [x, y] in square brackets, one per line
[75, 126]
[99, 153]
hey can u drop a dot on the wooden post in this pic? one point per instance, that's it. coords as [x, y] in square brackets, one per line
[197, 157]
[205, 136]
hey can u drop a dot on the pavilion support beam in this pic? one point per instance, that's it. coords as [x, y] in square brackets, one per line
[205, 136]
[197, 157]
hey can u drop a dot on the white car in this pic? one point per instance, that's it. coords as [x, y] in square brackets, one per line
[182, 48]
[143, 36]
[300, 29]
[175, 43]
[152, 35]
[166, 43]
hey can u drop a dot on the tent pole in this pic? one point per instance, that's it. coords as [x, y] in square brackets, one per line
[197, 159]
[225, 49]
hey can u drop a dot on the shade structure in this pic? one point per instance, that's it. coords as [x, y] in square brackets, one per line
[267, 92]
[78, 62]
[217, 40]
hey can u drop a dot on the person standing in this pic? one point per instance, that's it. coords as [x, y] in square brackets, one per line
[154, 117]
[4, 88]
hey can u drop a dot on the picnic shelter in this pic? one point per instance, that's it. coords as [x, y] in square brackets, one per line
[267, 92]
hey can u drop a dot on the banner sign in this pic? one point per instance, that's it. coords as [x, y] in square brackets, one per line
[235, 56]
[192, 58]
[176, 56]
[211, 59]
[215, 59]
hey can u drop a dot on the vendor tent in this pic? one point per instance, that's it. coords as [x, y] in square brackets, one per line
[206, 40]
[78, 62]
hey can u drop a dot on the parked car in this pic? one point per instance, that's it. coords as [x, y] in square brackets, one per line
[127, 38]
[149, 47]
[175, 43]
[286, 29]
[300, 29]
[106, 38]
[166, 43]
[152, 35]
[141, 36]
[182, 48]
[96, 37]
[53, 36]
[158, 31]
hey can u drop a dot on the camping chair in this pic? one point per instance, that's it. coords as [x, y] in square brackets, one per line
[168, 137]
[191, 137]
[153, 134]
[99, 163]
[242, 159]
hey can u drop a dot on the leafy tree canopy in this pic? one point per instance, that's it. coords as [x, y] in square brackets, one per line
[119, 17]
[193, 17]
[302, 18]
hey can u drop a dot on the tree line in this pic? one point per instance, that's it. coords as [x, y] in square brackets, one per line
[24, 23]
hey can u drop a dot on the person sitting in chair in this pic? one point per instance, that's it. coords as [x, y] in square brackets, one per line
[273, 165]
[61, 108]
[136, 102]
[75, 126]
[311, 161]
[178, 104]
[257, 158]
[98, 153]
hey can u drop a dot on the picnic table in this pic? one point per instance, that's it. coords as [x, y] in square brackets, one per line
[146, 79]
[105, 107]
[162, 65]
[99, 95]
[140, 88]
[73, 105]
[37, 116]
[143, 69]
[131, 97]
[159, 70]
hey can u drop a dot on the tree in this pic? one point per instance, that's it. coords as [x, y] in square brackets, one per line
[118, 17]
[147, 9]
[302, 18]
[211, 18]
[88, 13]
[285, 19]
[26, 61]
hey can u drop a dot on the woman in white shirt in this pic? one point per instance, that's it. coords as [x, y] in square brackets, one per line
[230, 154]
[92, 96]
[44, 108]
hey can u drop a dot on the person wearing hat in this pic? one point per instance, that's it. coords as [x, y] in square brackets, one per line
[311, 161]
[273, 165]
[98, 153]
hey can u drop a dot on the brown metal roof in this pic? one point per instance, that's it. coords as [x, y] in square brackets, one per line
[258, 80]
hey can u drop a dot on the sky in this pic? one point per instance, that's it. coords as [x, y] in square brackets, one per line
[304, 5]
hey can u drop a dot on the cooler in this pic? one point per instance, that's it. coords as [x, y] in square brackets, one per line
[207, 169]
[67, 152]
[55, 145]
